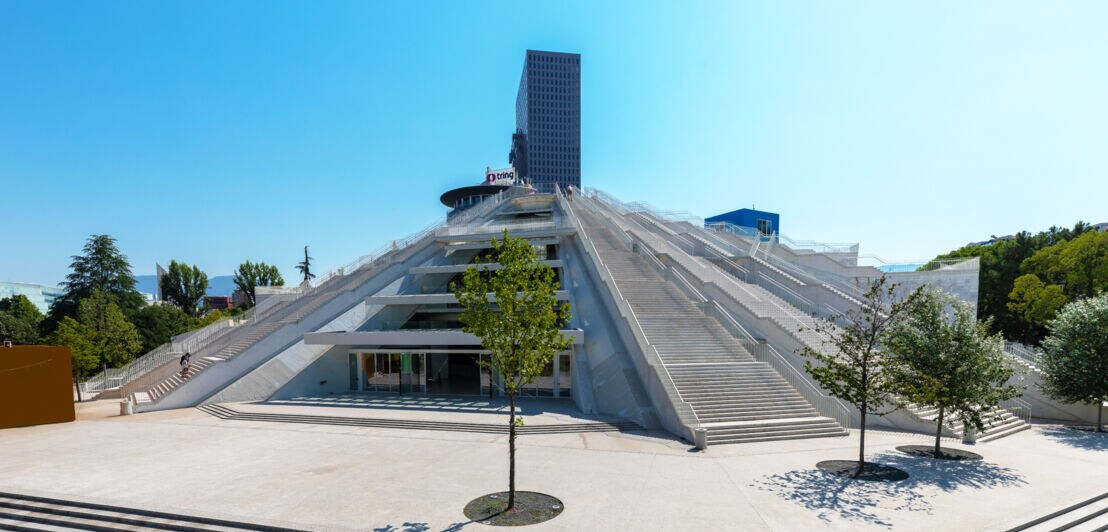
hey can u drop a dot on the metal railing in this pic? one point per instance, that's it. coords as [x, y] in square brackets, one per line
[683, 410]
[1019, 408]
[823, 403]
[1026, 354]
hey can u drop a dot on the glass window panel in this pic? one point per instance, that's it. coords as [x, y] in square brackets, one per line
[565, 375]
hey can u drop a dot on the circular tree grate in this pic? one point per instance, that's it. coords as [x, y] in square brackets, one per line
[530, 508]
[945, 453]
[870, 472]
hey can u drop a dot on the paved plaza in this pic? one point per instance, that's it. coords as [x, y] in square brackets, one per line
[326, 477]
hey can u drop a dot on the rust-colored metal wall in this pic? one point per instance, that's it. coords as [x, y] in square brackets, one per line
[36, 385]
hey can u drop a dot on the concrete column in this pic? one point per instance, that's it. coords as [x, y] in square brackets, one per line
[361, 370]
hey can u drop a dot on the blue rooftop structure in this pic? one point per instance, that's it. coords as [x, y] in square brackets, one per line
[762, 221]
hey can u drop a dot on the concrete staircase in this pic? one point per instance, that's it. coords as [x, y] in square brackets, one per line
[764, 303]
[735, 397]
[1090, 515]
[228, 413]
[998, 422]
[32, 513]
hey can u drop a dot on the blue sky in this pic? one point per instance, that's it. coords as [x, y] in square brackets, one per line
[215, 132]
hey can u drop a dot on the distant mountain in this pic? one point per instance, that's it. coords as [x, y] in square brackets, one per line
[222, 285]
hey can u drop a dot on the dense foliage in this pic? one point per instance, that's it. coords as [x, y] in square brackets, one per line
[520, 327]
[101, 267]
[184, 286]
[1026, 279]
[1075, 359]
[156, 324]
[19, 320]
[254, 274]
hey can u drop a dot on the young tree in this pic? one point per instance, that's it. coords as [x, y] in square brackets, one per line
[251, 275]
[949, 361]
[114, 340]
[305, 266]
[519, 326]
[852, 366]
[184, 286]
[19, 320]
[77, 337]
[1075, 357]
[156, 324]
[101, 266]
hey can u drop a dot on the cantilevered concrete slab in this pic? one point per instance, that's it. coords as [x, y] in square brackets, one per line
[435, 299]
[459, 268]
[486, 244]
[411, 337]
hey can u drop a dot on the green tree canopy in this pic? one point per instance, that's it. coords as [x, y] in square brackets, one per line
[114, 340]
[156, 324]
[949, 361]
[19, 320]
[1036, 303]
[852, 364]
[100, 267]
[519, 325]
[184, 286]
[251, 275]
[1001, 263]
[79, 339]
[1080, 264]
[1075, 356]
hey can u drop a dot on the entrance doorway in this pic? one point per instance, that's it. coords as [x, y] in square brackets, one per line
[394, 372]
[454, 374]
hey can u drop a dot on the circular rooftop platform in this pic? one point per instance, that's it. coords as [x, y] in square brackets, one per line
[451, 197]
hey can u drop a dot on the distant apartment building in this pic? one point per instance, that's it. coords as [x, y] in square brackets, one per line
[41, 296]
[218, 302]
[546, 147]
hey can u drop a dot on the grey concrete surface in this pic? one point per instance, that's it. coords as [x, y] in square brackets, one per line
[352, 478]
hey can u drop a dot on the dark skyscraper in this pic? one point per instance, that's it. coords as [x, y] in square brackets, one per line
[548, 114]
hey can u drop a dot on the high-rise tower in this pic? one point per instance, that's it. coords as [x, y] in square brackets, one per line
[548, 114]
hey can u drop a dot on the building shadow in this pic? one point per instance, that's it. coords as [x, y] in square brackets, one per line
[829, 496]
[525, 406]
[1083, 439]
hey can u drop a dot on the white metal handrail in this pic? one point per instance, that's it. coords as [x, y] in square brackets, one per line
[683, 409]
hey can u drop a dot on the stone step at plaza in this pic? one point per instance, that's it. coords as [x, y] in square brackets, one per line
[736, 398]
[229, 413]
[22, 512]
[1089, 515]
[998, 422]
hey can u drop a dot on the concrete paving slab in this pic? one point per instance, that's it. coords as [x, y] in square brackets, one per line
[331, 478]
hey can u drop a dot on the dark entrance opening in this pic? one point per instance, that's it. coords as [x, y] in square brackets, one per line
[453, 374]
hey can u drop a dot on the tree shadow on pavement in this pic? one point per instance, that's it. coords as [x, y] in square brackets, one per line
[875, 503]
[406, 527]
[1084, 439]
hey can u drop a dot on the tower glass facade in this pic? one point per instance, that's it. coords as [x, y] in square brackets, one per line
[548, 113]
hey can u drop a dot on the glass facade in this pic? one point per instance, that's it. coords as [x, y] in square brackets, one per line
[449, 374]
[548, 112]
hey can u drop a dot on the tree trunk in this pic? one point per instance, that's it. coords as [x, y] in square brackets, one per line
[1099, 414]
[77, 383]
[939, 433]
[862, 443]
[511, 451]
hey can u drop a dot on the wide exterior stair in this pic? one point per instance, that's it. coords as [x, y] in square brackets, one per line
[21, 512]
[998, 422]
[763, 303]
[734, 397]
[246, 336]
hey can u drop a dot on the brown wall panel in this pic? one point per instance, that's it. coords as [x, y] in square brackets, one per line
[36, 385]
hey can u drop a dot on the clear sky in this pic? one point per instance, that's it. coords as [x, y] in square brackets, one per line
[215, 132]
